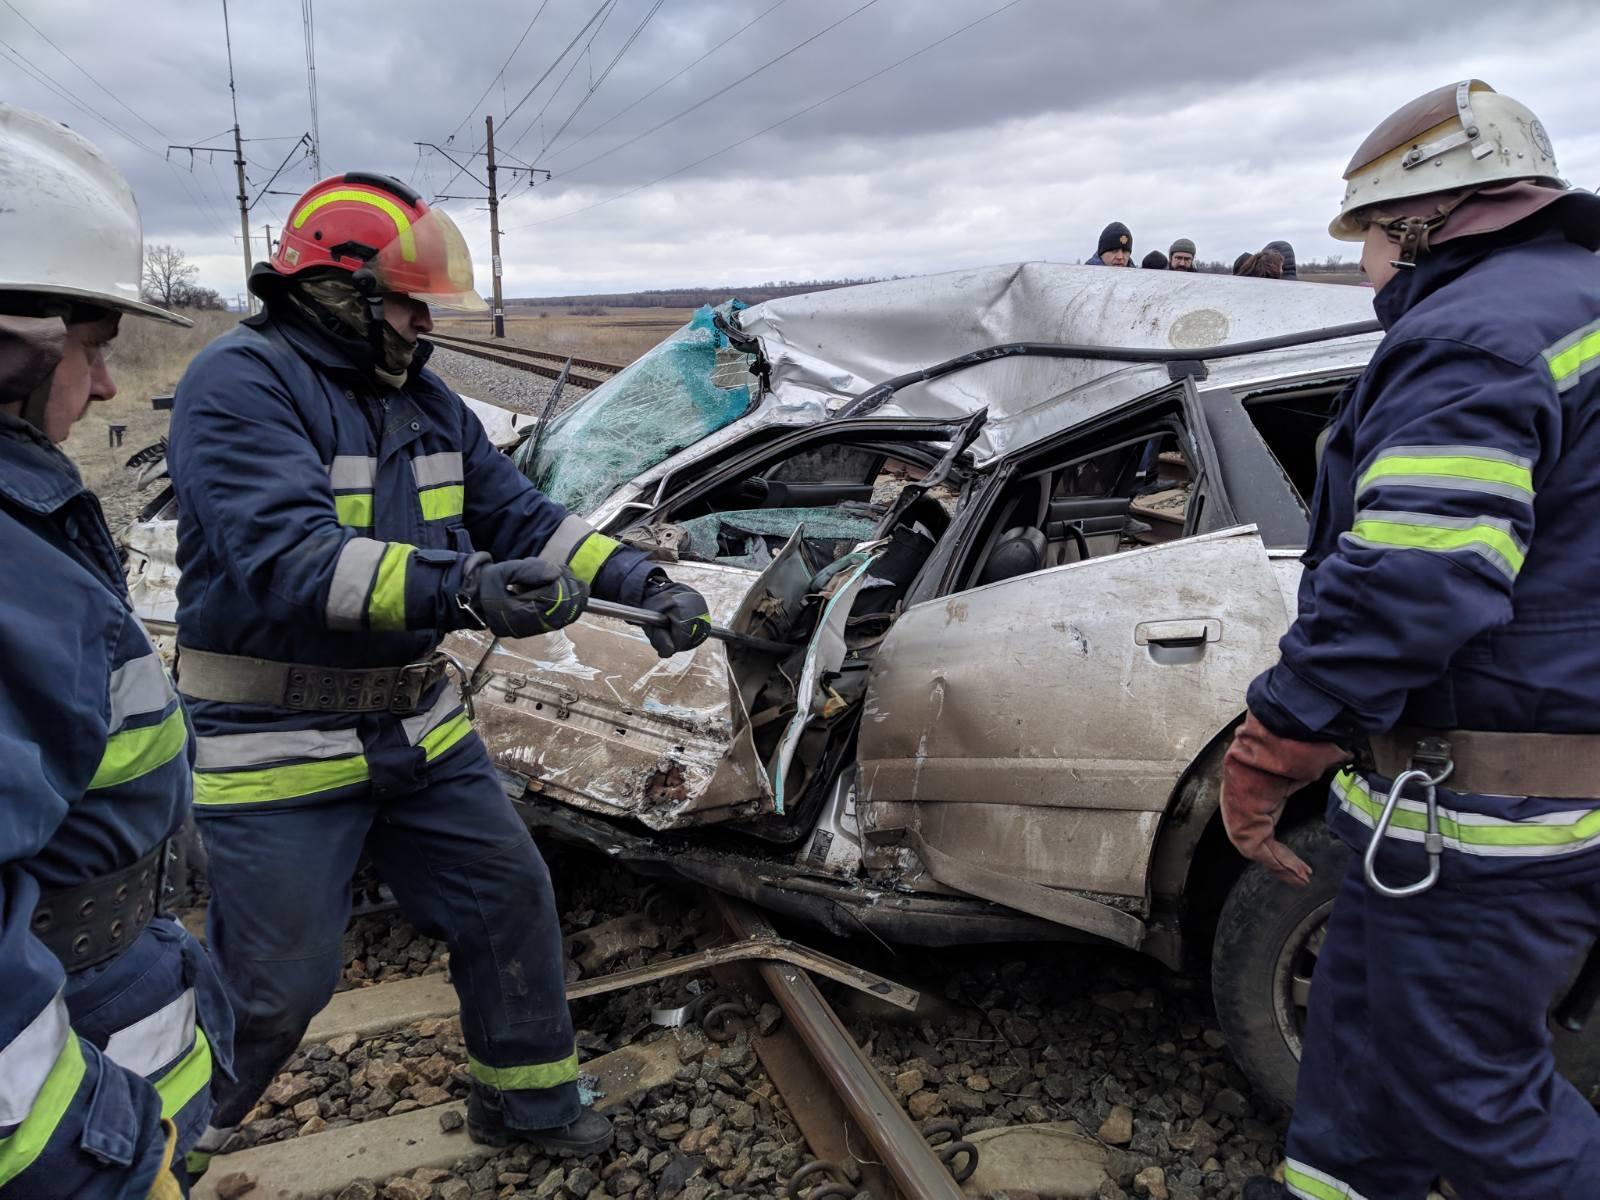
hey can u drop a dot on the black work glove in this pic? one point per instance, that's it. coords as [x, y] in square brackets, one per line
[522, 597]
[690, 615]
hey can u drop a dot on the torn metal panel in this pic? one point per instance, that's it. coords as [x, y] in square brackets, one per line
[153, 569]
[1037, 726]
[593, 718]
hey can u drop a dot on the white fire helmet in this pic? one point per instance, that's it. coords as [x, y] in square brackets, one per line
[1461, 135]
[69, 226]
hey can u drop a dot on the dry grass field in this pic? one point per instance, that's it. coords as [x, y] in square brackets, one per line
[147, 359]
[619, 336]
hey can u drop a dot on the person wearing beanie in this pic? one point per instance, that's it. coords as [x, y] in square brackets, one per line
[1154, 261]
[1115, 248]
[1181, 255]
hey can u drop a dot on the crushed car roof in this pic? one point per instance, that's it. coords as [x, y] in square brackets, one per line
[826, 348]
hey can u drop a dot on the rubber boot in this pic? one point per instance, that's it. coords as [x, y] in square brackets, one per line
[486, 1124]
[1260, 1187]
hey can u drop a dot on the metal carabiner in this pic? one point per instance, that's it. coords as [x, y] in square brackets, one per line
[1432, 839]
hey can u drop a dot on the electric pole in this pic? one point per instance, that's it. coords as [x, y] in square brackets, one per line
[494, 231]
[268, 229]
[244, 199]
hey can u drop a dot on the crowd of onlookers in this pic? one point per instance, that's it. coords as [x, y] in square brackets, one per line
[1275, 260]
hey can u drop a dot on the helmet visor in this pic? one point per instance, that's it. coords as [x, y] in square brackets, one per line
[428, 260]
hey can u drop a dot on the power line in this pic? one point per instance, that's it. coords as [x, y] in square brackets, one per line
[783, 121]
[308, 21]
[498, 75]
[604, 6]
[570, 171]
[40, 75]
[82, 70]
[611, 7]
[599, 83]
[665, 82]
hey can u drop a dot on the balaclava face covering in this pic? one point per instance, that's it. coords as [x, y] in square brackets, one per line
[335, 303]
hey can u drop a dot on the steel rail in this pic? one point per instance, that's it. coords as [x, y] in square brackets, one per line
[914, 1167]
[521, 364]
[587, 364]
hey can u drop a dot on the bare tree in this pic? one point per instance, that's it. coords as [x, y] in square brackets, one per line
[168, 275]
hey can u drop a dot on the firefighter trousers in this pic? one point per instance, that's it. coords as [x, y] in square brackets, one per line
[1428, 1052]
[464, 869]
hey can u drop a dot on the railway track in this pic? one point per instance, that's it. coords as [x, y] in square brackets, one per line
[859, 1137]
[538, 362]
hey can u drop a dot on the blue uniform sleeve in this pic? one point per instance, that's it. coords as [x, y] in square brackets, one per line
[510, 518]
[1447, 458]
[245, 467]
[59, 1096]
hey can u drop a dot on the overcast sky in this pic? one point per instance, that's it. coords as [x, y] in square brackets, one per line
[1018, 138]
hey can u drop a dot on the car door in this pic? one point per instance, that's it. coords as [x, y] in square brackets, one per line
[1034, 728]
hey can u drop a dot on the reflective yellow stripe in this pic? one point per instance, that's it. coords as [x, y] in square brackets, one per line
[183, 1082]
[1574, 358]
[136, 752]
[354, 509]
[278, 783]
[441, 502]
[1485, 831]
[387, 607]
[1310, 1187]
[591, 555]
[28, 1140]
[402, 223]
[436, 741]
[1424, 535]
[531, 1075]
[1448, 467]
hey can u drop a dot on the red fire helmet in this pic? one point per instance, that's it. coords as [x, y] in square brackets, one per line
[363, 222]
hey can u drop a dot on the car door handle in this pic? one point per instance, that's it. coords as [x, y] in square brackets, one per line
[1173, 643]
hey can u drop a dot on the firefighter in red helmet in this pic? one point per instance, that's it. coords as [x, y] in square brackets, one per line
[340, 512]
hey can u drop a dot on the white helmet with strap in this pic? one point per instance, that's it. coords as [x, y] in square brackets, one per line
[69, 225]
[1462, 135]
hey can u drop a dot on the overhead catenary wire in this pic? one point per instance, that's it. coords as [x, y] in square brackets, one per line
[605, 5]
[40, 75]
[82, 70]
[673, 78]
[499, 75]
[722, 91]
[782, 121]
[610, 8]
[599, 83]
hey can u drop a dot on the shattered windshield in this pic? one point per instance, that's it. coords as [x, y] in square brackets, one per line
[688, 387]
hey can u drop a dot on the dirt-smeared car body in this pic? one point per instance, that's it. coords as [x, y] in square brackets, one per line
[1024, 594]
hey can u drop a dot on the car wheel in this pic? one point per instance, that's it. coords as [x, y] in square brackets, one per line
[1268, 938]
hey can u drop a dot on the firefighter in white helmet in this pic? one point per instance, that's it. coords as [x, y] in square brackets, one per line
[1447, 649]
[111, 1019]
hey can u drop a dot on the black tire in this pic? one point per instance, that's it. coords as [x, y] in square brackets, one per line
[1262, 959]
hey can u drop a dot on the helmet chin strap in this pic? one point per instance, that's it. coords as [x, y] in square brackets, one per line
[367, 284]
[1411, 234]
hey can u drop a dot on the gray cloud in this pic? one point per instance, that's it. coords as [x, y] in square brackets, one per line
[1020, 138]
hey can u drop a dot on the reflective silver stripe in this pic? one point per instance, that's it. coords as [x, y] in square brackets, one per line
[225, 751]
[431, 470]
[156, 1041]
[26, 1063]
[350, 471]
[565, 540]
[1308, 1183]
[1574, 356]
[352, 582]
[1491, 538]
[139, 686]
[1455, 823]
[445, 707]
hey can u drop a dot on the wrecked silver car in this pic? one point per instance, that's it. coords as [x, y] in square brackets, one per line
[1028, 533]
